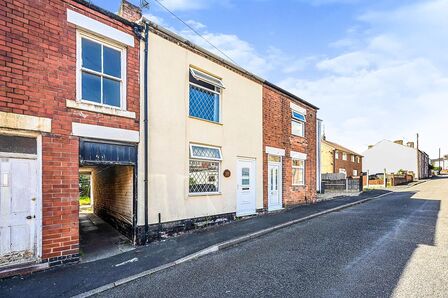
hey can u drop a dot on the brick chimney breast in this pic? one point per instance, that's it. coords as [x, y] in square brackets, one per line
[129, 11]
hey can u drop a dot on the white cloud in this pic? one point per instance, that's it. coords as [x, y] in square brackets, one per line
[393, 85]
[196, 25]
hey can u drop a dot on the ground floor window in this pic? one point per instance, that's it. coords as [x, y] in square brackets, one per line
[204, 165]
[298, 172]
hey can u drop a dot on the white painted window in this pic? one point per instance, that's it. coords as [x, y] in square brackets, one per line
[358, 159]
[344, 156]
[298, 124]
[355, 173]
[298, 172]
[101, 71]
[336, 155]
[204, 169]
[205, 96]
[352, 158]
[343, 171]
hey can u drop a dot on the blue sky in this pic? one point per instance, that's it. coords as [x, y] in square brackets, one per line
[377, 69]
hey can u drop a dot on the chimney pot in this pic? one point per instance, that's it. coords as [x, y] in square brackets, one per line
[400, 142]
[129, 11]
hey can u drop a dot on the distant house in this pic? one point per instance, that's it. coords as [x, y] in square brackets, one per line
[338, 159]
[440, 162]
[395, 156]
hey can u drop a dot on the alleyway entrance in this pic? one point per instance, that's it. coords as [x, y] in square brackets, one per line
[107, 197]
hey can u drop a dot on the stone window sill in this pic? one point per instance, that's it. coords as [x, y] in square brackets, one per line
[99, 109]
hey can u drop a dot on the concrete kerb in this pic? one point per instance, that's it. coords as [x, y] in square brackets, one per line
[220, 246]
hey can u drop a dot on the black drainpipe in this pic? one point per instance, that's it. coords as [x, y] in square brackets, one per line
[145, 86]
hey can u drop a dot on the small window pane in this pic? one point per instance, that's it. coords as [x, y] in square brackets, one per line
[297, 128]
[18, 144]
[112, 62]
[111, 92]
[297, 176]
[204, 104]
[274, 158]
[203, 176]
[245, 176]
[91, 55]
[205, 152]
[298, 116]
[297, 163]
[91, 87]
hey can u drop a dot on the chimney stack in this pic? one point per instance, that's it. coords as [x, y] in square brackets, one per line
[410, 144]
[370, 146]
[399, 142]
[129, 11]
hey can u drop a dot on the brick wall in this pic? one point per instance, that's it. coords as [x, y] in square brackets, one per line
[277, 133]
[113, 192]
[37, 76]
[348, 165]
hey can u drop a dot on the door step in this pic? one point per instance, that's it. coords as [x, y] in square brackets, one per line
[22, 269]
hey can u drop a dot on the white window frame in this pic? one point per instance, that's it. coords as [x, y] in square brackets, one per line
[79, 69]
[352, 158]
[205, 77]
[299, 121]
[344, 156]
[358, 159]
[205, 158]
[298, 167]
[355, 173]
[211, 159]
[336, 154]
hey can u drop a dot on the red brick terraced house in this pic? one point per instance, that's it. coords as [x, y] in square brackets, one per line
[69, 102]
[339, 159]
[291, 149]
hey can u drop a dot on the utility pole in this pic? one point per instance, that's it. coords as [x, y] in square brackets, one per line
[418, 161]
[440, 161]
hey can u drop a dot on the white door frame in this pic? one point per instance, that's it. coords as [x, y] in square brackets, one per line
[280, 182]
[38, 157]
[254, 164]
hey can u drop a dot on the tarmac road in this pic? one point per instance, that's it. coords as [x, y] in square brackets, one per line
[391, 246]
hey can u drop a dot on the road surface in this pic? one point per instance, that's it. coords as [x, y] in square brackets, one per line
[392, 246]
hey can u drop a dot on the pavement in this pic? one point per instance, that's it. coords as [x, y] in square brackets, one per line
[84, 277]
[394, 246]
[99, 239]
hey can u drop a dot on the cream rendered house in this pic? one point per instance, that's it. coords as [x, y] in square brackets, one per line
[204, 136]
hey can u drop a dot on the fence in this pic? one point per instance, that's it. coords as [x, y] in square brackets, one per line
[337, 182]
[377, 180]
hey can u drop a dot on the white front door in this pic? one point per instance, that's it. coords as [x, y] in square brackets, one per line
[274, 186]
[18, 194]
[246, 184]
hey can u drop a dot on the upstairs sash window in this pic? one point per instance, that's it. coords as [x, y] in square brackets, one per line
[101, 72]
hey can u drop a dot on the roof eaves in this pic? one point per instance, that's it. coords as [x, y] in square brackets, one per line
[179, 38]
[224, 61]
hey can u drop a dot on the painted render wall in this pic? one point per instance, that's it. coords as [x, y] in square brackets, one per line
[171, 130]
[390, 156]
[327, 158]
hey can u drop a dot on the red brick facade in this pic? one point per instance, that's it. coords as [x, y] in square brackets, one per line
[37, 76]
[277, 133]
[348, 164]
